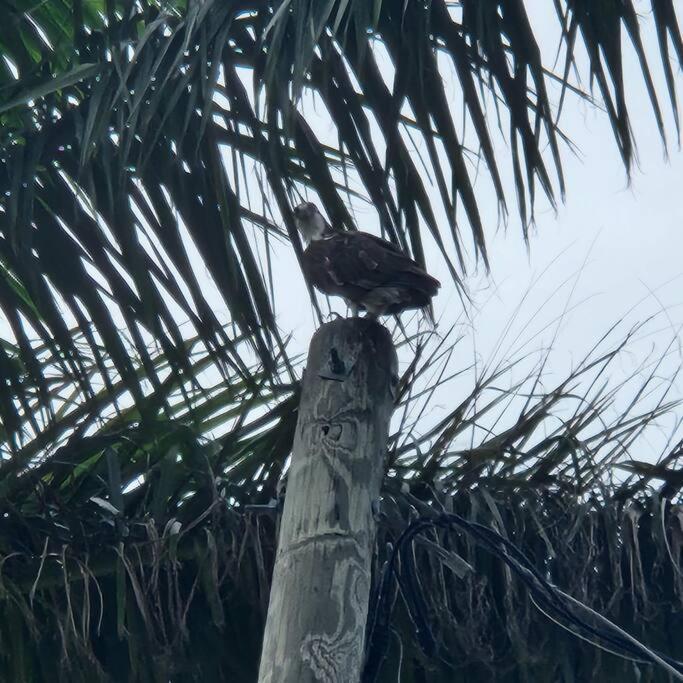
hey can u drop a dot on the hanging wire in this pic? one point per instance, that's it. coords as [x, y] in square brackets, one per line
[555, 604]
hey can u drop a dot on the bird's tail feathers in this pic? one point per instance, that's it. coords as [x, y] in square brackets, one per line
[428, 314]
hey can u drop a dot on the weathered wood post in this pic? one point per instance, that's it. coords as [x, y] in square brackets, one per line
[321, 580]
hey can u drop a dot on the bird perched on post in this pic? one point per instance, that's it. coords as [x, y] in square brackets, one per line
[370, 273]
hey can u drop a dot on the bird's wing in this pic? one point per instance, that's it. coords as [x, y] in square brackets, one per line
[367, 261]
[379, 241]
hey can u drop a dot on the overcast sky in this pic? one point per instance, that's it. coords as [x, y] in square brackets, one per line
[628, 236]
[611, 250]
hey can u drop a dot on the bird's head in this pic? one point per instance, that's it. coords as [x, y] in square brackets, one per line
[310, 222]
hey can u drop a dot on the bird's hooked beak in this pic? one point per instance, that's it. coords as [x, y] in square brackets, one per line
[310, 221]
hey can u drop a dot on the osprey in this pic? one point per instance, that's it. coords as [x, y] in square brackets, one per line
[370, 273]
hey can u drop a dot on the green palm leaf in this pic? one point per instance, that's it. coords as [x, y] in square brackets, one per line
[111, 127]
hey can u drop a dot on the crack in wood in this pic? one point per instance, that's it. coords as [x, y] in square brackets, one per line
[344, 536]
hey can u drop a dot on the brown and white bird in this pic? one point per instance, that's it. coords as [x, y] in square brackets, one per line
[370, 273]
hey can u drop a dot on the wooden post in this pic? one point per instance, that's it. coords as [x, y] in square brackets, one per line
[321, 581]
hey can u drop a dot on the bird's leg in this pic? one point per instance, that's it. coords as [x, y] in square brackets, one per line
[372, 312]
[355, 309]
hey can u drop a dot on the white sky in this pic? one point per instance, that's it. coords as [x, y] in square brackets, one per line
[611, 250]
[629, 236]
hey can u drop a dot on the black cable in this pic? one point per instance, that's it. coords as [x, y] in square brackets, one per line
[552, 595]
[545, 596]
[556, 598]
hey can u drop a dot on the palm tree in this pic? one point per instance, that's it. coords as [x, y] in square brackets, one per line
[149, 149]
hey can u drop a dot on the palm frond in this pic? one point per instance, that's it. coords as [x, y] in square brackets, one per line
[132, 131]
[130, 524]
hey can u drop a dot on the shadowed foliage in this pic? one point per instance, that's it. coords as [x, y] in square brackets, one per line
[163, 605]
[149, 149]
[143, 551]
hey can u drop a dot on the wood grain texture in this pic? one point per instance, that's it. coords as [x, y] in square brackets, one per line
[321, 580]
